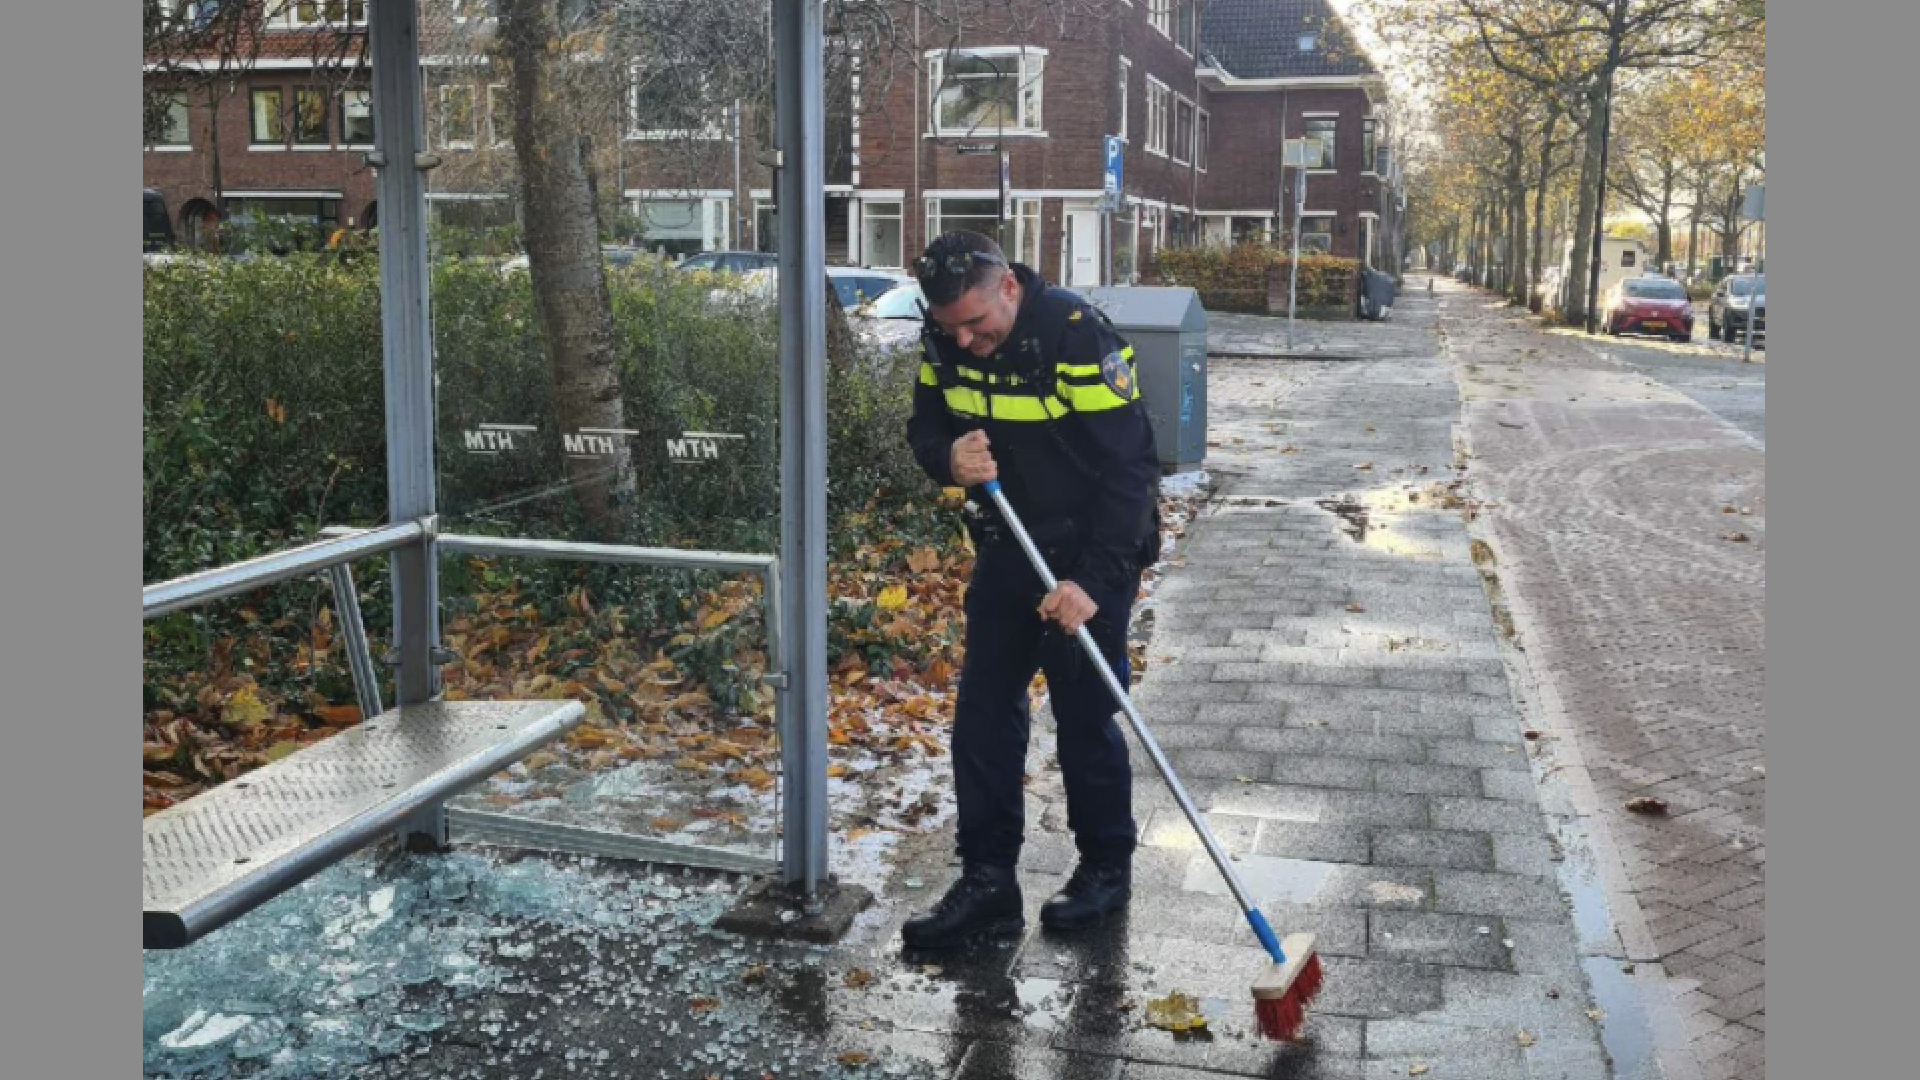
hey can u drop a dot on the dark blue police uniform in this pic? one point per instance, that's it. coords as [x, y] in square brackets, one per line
[1061, 407]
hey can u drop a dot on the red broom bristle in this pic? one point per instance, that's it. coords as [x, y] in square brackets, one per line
[1281, 1018]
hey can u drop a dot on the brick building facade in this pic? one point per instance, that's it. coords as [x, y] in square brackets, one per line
[1203, 92]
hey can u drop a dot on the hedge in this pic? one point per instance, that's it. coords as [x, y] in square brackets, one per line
[1236, 277]
[262, 421]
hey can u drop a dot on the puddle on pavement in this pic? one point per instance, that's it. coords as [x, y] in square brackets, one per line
[1625, 1030]
[1368, 519]
[1269, 878]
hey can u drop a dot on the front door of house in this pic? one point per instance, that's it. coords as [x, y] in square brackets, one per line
[1080, 249]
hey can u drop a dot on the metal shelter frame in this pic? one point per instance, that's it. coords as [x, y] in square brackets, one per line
[795, 579]
[401, 157]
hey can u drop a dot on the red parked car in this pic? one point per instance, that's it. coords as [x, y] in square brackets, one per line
[1649, 305]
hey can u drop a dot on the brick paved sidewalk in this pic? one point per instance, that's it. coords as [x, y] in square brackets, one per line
[1328, 679]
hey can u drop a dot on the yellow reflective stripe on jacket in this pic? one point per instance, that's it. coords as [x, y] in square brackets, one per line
[1085, 386]
[1016, 406]
[927, 375]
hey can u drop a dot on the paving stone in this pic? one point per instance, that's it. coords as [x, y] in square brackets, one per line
[998, 1061]
[1435, 938]
[1320, 843]
[1509, 785]
[1512, 895]
[1424, 779]
[1484, 815]
[1425, 847]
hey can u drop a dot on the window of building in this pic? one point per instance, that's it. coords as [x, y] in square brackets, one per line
[881, 241]
[983, 216]
[456, 117]
[1182, 130]
[172, 130]
[311, 219]
[499, 116]
[1160, 14]
[1370, 144]
[1126, 76]
[671, 102]
[987, 90]
[1316, 232]
[1157, 94]
[1186, 24]
[309, 14]
[267, 117]
[185, 14]
[310, 117]
[356, 118]
[1308, 40]
[1322, 128]
[679, 226]
[1202, 136]
[476, 10]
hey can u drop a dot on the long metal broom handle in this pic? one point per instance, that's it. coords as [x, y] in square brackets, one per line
[1134, 719]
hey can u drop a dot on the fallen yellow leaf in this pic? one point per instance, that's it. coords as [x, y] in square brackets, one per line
[892, 598]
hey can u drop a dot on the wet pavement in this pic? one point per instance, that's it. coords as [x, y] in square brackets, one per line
[1324, 667]
[1624, 489]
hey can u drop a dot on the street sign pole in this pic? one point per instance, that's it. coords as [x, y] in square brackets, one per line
[1297, 153]
[1755, 211]
[1110, 188]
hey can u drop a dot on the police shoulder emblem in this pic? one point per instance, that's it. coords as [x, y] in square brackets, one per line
[1117, 374]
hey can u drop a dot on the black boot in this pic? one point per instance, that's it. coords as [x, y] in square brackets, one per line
[984, 902]
[1089, 896]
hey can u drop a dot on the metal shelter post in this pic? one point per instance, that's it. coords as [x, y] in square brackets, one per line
[800, 185]
[406, 338]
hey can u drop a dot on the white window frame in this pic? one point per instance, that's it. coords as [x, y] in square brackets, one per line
[1126, 77]
[473, 120]
[716, 212]
[185, 101]
[1202, 137]
[1370, 145]
[714, 130]
[1160, 15]
[1159, 99]
[340, 102]
[897, 214]
[497, 136]
[182, 14]
[1029, 91]
[1183, 148]
[254, 142]
[1186, 23]
[287, 15]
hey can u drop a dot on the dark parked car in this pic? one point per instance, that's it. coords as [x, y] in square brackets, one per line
[1649, 305]
[156, 228]
[732, 262]
[1727, 311]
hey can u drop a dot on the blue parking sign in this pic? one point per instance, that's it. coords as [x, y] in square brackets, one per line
[1111, 182]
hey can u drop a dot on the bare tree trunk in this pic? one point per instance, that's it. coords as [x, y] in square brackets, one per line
[563, 251]
[1517, 239]
[1544, 174]
[1589, 190]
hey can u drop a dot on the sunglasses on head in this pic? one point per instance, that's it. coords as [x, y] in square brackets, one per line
[956, 265]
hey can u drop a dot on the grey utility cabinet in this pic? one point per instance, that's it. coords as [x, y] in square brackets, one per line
[1168, 330]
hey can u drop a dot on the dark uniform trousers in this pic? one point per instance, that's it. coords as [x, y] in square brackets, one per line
[1007, 642]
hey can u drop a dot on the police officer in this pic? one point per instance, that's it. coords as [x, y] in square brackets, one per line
[1029, 385]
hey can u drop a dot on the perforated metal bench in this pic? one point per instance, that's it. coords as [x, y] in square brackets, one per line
[224, 852]
[221, 854]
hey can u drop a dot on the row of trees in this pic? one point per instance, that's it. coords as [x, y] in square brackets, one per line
[1538, 110]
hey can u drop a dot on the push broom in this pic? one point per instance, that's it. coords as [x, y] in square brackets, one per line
[1281, 994]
